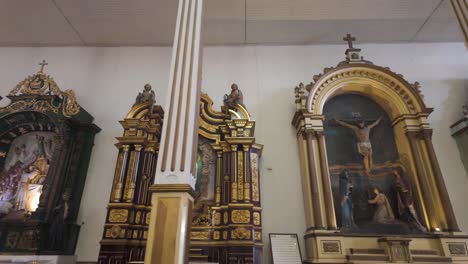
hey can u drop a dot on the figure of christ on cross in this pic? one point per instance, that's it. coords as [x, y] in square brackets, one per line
[362, 133]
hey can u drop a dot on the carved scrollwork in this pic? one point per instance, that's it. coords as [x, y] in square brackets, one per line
[118, 215]
[41, 84]
[240, 216]
[241, 233]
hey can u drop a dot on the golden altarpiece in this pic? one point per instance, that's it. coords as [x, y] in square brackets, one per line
[373, 190]
[226, 216]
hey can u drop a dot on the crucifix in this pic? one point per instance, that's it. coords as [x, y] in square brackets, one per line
[43, 64]
[350, 40]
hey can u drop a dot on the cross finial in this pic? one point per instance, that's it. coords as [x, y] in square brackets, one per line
[43, 64]
[350, 40]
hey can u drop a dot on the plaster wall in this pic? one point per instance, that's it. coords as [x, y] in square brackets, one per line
[106, 81]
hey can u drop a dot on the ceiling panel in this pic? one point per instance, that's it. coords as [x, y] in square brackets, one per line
[441, 26]
[224, 22]
[331, 31]
[267, 10]
[122, 22]
[34, 23]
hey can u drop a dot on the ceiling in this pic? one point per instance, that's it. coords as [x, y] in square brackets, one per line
[226, 22]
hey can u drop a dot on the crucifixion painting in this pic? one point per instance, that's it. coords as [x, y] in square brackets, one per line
[363, 144]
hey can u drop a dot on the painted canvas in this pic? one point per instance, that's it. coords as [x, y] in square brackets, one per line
[24, 171]
[205, 183]
[369, 183]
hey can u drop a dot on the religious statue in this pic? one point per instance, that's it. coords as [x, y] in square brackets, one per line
[147, 96]
[362, 133]
[59, 226]
[234, 98]
[405, 200]
[383, 212]
[346, 188]
[26, 190]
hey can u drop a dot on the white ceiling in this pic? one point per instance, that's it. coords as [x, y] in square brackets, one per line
[231, 22]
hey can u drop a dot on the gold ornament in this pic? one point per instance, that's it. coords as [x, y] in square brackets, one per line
[241, 233]
[240, 216]
[118, 216]
[256, 217]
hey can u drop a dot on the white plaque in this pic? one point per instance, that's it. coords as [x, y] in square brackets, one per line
[285, 249]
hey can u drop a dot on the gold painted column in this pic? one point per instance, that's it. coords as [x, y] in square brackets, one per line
[461, 11]
[327, 190]
[168, 234]
[445, 199]
[422, 176]
[233, 173]
[312, 156]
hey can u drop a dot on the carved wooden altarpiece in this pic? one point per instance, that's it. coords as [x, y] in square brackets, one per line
[128, 212]
[373, 189]
[226, 225]
[46, 139]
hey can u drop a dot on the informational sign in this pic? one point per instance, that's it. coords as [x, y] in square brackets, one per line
[285, 249]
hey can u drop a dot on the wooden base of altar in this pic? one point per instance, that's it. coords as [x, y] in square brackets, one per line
[39, 259]
[335, 247]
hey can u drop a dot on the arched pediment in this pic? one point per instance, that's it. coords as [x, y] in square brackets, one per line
[396, 95]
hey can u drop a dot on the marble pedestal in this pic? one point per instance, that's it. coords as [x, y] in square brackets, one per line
[37, 259]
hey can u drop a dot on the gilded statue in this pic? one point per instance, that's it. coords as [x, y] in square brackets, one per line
[234, 98]
[362, 132]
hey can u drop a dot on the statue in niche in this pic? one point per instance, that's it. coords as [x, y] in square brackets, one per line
[59, 226]
[147, 96]
[364, 146]
[26, 167]
[406, 210]
[234, 98]
[383, 213]
[346, 188]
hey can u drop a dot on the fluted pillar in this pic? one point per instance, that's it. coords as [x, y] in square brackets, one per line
[461, 11]
[168, 234]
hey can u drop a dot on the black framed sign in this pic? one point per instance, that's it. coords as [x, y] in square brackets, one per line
[285, 248]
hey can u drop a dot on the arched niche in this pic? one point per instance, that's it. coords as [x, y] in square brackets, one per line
[50, 164]
[404, 105]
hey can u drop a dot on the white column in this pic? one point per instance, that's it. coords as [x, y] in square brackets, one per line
[180, 129]
[461, 11]
[171, 210]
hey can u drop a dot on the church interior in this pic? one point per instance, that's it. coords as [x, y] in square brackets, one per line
[233, 132]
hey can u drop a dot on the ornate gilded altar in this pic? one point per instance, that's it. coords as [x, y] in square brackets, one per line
[126, 227]
[46, 139]
[226, 225]
[373, 189]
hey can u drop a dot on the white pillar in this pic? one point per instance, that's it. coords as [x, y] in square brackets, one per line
[169, 228]
[461, 11]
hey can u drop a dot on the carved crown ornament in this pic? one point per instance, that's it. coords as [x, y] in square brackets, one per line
[354, 67]
[40, 84]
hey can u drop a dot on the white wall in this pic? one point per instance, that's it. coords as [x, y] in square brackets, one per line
[106, 81]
